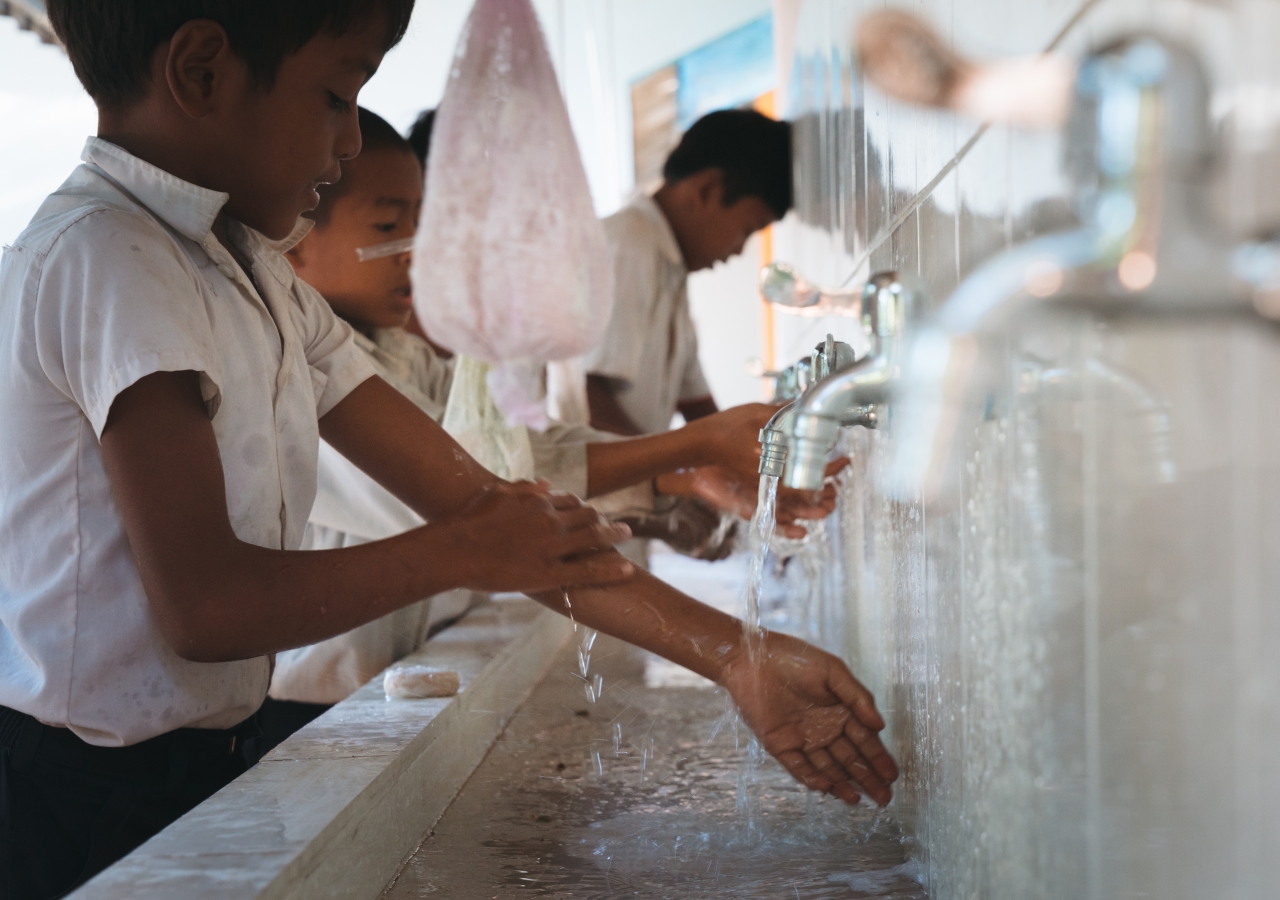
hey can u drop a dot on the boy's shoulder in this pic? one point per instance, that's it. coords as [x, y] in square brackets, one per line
[89, 207]
[640, 231]
[635, 215]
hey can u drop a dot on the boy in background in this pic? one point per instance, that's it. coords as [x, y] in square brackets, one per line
[729, 177]
[164, 382]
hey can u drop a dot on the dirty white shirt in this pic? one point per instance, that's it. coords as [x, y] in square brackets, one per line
[650, 347]
[351, 509]
[119, 276]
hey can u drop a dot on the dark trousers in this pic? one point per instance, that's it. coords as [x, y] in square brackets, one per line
[277, 719]
[69, 809]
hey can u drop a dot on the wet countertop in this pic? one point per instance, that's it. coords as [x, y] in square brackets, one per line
[644, 792]
[334, 810]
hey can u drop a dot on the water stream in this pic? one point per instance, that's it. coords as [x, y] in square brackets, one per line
[763, 524]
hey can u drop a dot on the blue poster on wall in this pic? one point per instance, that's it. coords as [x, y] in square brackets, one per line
[730, 71]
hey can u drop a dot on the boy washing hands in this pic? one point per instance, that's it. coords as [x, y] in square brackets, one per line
[164, 380]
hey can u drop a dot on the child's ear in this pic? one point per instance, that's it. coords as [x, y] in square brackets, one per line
[198, 63]
[710, 188]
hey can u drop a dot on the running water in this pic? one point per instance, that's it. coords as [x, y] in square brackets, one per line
[568, 604]
[594, 686]
[763, 524]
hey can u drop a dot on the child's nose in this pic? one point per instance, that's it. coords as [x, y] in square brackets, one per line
[349, 141]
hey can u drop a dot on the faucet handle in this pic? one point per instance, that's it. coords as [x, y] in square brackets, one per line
[837, 354]
[906, 58]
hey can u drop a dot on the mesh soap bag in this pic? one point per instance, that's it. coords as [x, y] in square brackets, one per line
[511, 267]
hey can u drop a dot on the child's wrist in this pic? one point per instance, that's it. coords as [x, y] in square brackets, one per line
[702, 443]
[680, 483]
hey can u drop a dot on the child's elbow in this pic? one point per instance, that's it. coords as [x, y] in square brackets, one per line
[191, 631]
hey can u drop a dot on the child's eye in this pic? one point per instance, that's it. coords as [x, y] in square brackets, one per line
[337, 104]
[385, 227]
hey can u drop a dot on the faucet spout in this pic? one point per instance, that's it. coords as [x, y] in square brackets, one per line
[773, 442]
[845, 396]
[827, 357]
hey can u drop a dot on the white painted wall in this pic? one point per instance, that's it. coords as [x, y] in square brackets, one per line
[44, 118]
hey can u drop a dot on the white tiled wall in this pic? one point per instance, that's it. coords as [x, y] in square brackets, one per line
[1074, 642]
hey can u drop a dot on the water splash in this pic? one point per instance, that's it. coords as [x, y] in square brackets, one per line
[568, 604]
[594, 687]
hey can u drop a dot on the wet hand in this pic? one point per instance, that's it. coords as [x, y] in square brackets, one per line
[813, 717]
[526, 537]
[795, 506]
[730, 493]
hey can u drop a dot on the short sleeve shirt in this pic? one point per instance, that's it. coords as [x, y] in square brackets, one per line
[650, 347]
[117, 277]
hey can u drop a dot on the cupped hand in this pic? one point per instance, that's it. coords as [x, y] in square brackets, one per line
[731, 493]
[794, 506]
[814, 717]
[526, 537]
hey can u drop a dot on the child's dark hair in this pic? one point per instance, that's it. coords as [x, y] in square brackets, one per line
[420, 134]
[752, 150]
[111, 42]
[376, 133]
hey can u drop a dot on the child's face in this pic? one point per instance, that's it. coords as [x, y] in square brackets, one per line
[707, 230]
[381, 204]
[722, 231]
[280, 144]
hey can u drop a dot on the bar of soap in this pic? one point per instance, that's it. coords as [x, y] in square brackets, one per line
[419, 683]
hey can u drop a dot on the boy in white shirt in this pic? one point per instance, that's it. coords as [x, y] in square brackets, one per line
[729, 177]
[164, 382]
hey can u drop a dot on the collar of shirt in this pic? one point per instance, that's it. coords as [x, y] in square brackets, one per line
[187, 208]
[667, 242]
[191, 210]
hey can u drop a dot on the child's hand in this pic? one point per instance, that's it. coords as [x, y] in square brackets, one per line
[794, 506]
[730, 493]
[524, 537]
[731, 439]
[814, 717]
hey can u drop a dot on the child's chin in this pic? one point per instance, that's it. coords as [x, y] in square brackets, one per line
[394, 319]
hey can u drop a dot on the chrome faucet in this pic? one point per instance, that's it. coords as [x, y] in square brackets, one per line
[829, 356]
[1140, 150]
[848, 396]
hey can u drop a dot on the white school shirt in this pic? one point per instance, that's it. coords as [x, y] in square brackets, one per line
[650, 346]
[119, 276]
[352, 509]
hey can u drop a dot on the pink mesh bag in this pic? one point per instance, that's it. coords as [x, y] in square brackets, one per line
[511, 266]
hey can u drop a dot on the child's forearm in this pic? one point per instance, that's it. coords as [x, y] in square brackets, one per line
[614, 465]
[653, 615]
[729, 439]
[252, 601]
[215, 597]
